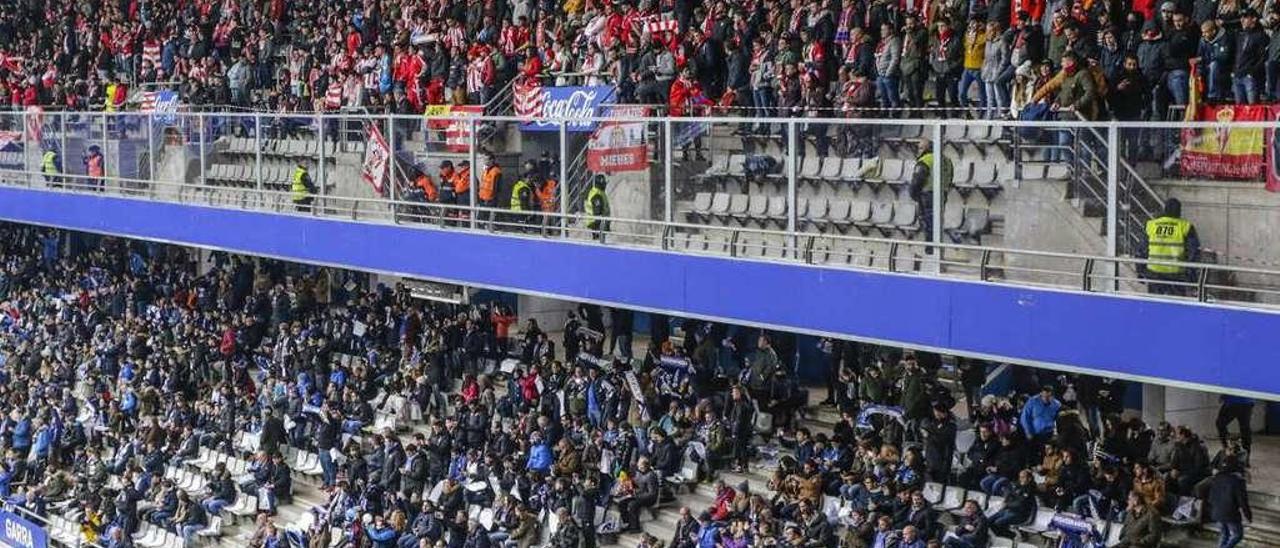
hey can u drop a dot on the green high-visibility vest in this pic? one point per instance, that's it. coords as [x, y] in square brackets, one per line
[927, 160]
[1167, 240]
[298, 187]
[591, 202]
[49, 164]
[521, 186]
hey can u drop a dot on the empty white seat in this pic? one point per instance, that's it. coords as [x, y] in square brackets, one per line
[1040, 523]
[702, 203]
[719, 166]
[810, 167]
[952, 216]
[758, 206]
[850, 169]
[777, 207]
[838, 212]
[904, 216]
[882, 213]
[952, 498]
[816, 209]
[720, 204]
[737, 165]
[860, 212]
[976, 220]
[830, 168]
[738, 204]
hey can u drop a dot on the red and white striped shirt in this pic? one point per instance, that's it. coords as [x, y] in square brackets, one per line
[151, 52]
[479, 74]
[333, 96]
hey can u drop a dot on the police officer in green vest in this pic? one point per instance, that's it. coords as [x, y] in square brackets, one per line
[301, 189]
[521, 205]
[1169, 238]
[597, 208]
[51, 167]
[921, 188]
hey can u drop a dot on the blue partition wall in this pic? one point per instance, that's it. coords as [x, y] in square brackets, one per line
[1187, 344]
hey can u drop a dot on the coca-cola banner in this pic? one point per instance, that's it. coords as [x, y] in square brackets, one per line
[576, 103]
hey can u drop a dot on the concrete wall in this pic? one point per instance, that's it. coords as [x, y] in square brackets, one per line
[1240, 222]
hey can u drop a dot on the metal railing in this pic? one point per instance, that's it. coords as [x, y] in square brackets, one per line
[1079, 272]
[261, 150]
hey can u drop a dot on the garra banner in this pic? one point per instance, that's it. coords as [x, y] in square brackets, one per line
[1223, 152]
[377, 156]
[571, 102]
[20, 532]
[619, 146]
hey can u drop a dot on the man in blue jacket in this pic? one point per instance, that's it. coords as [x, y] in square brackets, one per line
[1038, 418]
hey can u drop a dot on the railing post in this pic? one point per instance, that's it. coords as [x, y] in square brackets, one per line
[151, 152]
[62, 151]
[199, 139]
[1202, 283]
[391, 166]
[938, 189]
[667, 181]
[792, 145]
[26, 149]
[1086, 282]
[1017, 155]
[257, 154]
[982, 266]
[666, 236]
[893, 256]
[475, 167]
[322, 170]
[106, 171]
[1113, 211]
[733, 243]
[564, 180]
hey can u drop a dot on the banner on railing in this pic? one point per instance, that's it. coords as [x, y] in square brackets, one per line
[452, 119]
[570, 102]
[7, 137]
[377, 155]
[35, 123]
[1273, 152]
[19, 532]
[163, 105]
[1224, 152]
[688, 132]
[616, 147]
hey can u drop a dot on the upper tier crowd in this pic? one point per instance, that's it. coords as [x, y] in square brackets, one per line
[1130, 60]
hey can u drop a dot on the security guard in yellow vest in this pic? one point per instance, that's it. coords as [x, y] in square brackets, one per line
[51, 167]
[301, 189]
[521, 201]
[1170, 238]
[597, 208]
[921, 189]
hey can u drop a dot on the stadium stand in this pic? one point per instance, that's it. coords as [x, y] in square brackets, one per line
[135, 384]
[272, 398]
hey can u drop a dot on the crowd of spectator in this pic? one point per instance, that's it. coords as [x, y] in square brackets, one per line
[1128, 60]
[121, 359]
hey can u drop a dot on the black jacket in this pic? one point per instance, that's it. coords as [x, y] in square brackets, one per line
[1228, 500]
[1251, 53]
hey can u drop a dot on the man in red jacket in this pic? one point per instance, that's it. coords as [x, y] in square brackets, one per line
[685, 99]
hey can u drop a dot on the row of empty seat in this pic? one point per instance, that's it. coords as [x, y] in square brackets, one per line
[281, 148]
[1037, 531]
[818, 213]
[986, 177]
[240, 175]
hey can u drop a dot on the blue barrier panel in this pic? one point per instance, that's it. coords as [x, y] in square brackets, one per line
[19, 532]
[1182, 343]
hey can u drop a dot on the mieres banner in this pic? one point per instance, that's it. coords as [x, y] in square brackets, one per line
[568, 103]
[616, 147]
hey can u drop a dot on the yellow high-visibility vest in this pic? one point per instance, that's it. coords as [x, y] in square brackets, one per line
[1167, 240]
